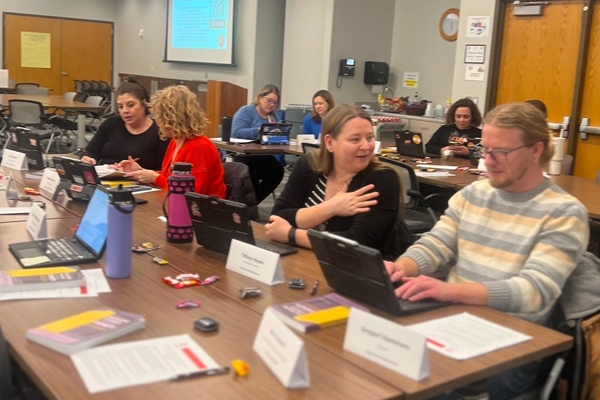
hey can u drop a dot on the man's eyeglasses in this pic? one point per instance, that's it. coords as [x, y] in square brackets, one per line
[270, 101]
[497, 155]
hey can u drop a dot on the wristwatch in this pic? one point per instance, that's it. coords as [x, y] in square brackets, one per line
[292, 236]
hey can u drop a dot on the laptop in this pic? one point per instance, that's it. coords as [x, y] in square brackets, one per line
[85, 247]
[216, 222]
[411, 144]
[358, 271]
[24, 141]
[274, 133]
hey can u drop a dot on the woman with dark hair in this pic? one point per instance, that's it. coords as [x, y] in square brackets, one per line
[265, 171]
[322, 103]
[462, 123]
[131, 133]
[341, 188]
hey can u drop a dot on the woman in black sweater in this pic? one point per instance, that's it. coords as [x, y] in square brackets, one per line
[462, 122]
[341, 188]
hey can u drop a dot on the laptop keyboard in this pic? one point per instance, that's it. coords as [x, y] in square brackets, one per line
[279, 249]
[65, 250]
[422, 305]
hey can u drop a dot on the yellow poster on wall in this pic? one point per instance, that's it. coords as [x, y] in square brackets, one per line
[35, 50]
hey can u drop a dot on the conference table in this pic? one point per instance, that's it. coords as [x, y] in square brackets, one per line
[334, 372]
[59, 102]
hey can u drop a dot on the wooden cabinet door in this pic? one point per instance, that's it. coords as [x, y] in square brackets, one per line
[13, 26]
[86, 52]
[587, 161]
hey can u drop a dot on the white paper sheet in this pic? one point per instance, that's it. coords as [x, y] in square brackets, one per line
[14, 210]
[425, 174]
[104, 171]
[90, 291]
[96, 280]
[464, 336]
[232, 140]
[438, 166]
[136, 363]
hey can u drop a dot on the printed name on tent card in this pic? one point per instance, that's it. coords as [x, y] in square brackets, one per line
[282, 351]
[254, 262]
[36, 223]
[14, 159]
[388, 344]
[50, 180]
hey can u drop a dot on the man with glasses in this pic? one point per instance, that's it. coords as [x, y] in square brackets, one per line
[509, 242]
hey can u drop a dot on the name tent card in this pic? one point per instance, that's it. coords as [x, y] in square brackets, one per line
[15, 160]
[36, 223]
[50, 180]
[388, 344]
[254, 262]
[282, 351]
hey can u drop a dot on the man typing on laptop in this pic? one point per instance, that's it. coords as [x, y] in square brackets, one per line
[510, 242]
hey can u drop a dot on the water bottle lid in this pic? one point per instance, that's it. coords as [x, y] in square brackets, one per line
[181, 168]
[121, 194]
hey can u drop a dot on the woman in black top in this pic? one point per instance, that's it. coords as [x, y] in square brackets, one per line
[341, 188]
[462, 122]
[131, 133]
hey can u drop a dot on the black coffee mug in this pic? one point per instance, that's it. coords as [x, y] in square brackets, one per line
[226, 129]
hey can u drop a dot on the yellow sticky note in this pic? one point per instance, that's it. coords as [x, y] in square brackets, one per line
[326, 317]
[77, 320]
[34, 260]
[17, 273]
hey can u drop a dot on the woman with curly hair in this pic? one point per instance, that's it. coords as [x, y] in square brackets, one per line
[179, 116]
[462, 125]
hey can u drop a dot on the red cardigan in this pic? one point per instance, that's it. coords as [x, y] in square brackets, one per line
[206, 165]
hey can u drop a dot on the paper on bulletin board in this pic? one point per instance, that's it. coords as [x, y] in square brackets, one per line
[475, 73]
[35, 50]
[478, 27]
[411, 80]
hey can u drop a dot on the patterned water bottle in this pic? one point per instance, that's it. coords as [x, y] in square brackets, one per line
[120, 229]
[179, 223]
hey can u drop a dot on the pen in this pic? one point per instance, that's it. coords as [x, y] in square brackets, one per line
[205, 372]
[314, 288]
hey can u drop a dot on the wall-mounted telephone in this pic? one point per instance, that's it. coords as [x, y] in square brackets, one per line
[347, 67]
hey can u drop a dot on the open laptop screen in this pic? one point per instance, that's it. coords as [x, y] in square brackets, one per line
[93, 228]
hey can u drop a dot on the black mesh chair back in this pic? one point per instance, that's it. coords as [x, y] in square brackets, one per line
[87, 85]
[78, 86]
[35, 91]
[80, 96]
[25, 112]
[20, 86]
[309, 147]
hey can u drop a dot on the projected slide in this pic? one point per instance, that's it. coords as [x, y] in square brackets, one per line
[200, 31]
[200, 24]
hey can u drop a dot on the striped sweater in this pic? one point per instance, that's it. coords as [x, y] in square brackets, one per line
[521, 246]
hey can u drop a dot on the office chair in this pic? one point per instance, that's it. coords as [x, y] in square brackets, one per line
[309, 147]
[78, 85]
[20, 86]
[239, 186]
[7, 389]
[35, 91]
[418, 215]
[30, 114]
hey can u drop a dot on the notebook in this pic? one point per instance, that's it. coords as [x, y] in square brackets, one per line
[358, 272]
[216, 222]
[24, 141]
[85, 247]
[411, 144]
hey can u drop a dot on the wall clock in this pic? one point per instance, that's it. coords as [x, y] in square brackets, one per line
[449, 24]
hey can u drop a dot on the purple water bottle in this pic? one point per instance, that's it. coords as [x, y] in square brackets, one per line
[179, 223]
[120, 229]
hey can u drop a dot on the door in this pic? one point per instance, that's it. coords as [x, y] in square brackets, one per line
[13, 26]
[587, 162]
[88, 57]
[79, 50]
[541, 58]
